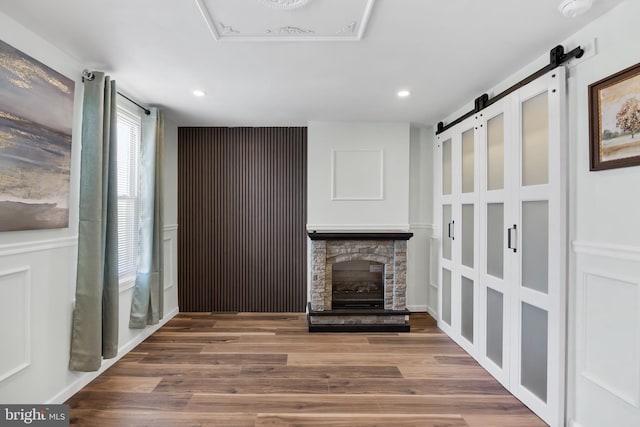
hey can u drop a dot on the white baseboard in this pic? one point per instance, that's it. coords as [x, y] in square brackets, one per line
[417, 308]
[87, 377]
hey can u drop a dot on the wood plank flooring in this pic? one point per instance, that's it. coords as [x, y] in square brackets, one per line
[259, 370]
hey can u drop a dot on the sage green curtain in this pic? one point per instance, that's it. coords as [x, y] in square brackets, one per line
[148, 294]
[94, 332]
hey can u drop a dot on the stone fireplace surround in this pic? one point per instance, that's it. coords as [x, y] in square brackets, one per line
[387, 248]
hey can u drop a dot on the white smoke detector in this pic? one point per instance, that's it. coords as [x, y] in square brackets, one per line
[573, 8]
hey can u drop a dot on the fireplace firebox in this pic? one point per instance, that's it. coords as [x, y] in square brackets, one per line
[357, 284]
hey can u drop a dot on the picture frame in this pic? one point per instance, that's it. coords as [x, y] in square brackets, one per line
[36, 122]
[614, 120]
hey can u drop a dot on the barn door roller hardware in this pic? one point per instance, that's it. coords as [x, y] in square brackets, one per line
[557, 57]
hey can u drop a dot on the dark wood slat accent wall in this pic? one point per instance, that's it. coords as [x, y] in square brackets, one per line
[242, 214]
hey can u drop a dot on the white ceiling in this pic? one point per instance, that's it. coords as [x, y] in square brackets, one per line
[447, 52]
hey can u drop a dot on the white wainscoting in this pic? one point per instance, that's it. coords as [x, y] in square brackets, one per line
[170, 256]
[418, 268]
[434, 261]
[170, 266]
[15, 313]
[607, 324]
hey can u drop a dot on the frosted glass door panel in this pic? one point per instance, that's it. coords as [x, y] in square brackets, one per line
[495, 153]
[467, 162]
[446, 167]
[467, 235]
[534, 350]
[446, 296]
[495, 311]
[535, 141]
[447, 228]
[495, 239]
[466, 307]
[535, 245]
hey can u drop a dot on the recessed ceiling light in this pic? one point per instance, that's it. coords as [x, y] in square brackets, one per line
[199, 93]
[403, 93]
[573, 8]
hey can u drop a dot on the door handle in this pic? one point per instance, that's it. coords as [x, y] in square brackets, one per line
[512, 240]
[451, 230]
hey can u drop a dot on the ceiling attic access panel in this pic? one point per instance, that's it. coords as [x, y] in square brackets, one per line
[286, 20]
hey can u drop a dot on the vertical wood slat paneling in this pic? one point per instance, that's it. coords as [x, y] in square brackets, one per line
[242, 217]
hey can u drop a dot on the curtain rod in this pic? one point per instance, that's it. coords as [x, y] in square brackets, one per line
[146, 110]
[88, 75]
[556, 58]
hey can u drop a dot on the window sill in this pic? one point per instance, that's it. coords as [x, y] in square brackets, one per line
[127, 283]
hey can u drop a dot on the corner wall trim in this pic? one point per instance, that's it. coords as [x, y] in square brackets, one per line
[433, 313]
[86, 378]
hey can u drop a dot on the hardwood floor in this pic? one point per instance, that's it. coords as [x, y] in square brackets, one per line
[256, 369]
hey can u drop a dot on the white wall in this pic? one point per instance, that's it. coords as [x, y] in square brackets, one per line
[604, 228]
[605, 285]
[392, 156]
[362, 150]
[37, 270]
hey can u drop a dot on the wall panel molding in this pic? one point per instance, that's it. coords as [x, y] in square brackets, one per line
[357, 175]
[607, 325]
[622, 252]
[169, 262]
[610, 340]
[37, 245]
[15, 325]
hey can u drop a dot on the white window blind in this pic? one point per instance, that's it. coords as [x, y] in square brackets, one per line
[129, 129]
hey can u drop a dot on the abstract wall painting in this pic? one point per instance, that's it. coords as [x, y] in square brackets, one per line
[614, 115]
[36, 118]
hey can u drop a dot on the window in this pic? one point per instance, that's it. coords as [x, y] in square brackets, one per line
[129, 129]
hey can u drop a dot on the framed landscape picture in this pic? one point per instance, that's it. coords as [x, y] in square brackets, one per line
[614, 116]
[36, 116]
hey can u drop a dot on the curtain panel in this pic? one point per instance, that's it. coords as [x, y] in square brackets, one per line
[94, 332]
[148, 294]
